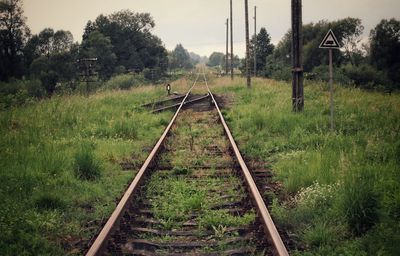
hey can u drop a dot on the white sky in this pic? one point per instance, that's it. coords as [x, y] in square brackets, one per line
[200, 24]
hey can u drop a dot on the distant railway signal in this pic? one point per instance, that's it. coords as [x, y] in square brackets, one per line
[87, 71]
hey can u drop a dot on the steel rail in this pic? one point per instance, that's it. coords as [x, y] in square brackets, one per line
[185, 104]
[162, 101]
[101, 241]
[261, 208]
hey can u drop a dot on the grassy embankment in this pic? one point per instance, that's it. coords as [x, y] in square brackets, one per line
[342, 188]
[60, 166]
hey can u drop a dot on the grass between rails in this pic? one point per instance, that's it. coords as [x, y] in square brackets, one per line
[342, 187]
[60, 166]
[186, 192]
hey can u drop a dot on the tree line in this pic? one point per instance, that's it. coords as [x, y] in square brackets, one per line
[39, 65]
[374, 64]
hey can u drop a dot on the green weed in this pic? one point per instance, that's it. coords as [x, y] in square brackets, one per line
[86, 166]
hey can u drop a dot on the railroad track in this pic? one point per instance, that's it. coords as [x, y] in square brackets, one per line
[194, 194]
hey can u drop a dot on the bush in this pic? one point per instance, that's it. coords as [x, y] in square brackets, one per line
[152, 74]
[321, 73]
[18, 92]
[86, 166]
[123, 82]
[366, 76]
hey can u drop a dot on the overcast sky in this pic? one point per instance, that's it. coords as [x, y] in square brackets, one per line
[200, 24]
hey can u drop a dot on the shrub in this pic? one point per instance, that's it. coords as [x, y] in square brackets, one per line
[282, 74]
[123, 82]
[86, 166]
[321, 73]
[366, 76]
[152, 74]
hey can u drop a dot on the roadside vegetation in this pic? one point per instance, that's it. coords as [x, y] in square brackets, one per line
[341, 188]
[65, 161]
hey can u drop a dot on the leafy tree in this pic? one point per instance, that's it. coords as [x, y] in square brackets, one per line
[132, 43]
[62, 41]
[262, 46]
[347, 31]
[51, 57]
[385, 48]
[180, 58]
[216, 59]
[196, 59]
[46, 38]
[100, 47]
[13, 34]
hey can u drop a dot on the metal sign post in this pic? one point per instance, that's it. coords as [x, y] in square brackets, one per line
[330, 42]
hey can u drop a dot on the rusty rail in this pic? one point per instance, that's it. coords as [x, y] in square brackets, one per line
[177, 105]
[101, 241]
[270, 230]
[261, 208]
[160, 102]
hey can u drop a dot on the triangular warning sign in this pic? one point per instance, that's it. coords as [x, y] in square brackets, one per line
[330, 41]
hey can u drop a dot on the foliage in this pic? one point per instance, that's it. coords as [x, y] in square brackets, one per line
[100, 47]
[133, 44]
[367, 76]
[321, 74]
[124, 81]
[216, 59]
[385, 48]
[13, 34]
[347, 31]
[180, 58]
[262, 46]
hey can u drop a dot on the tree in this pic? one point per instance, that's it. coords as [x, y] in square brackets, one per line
[347, 31]
[51, 57]
[132, 43]
[385, 48]
[352, 30]
[100, 47]
[180, 58]
[13, 34]
[216, 59]
[261, 44]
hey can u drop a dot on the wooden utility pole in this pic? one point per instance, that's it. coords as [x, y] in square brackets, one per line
[246, 11]
[227, 46]
[255, 41]
[231, 42]
[297, 59]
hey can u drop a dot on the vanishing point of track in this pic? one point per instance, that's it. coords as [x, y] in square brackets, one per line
[201, 158]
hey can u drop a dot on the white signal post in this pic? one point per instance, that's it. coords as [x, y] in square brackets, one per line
[330, 42]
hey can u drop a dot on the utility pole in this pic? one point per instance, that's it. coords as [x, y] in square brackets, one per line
[246, 11]
[231, 42]
[255, 41]
[297, 58]
[227, 46]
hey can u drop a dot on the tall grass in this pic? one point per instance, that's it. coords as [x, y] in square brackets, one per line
[52, 194]
[359, 160]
